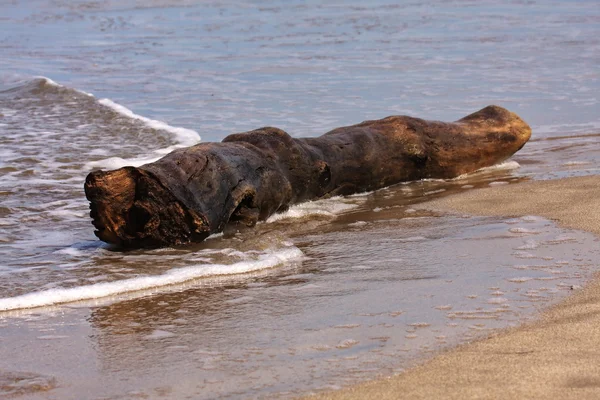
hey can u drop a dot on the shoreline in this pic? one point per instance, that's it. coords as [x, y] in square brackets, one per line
[555, 356]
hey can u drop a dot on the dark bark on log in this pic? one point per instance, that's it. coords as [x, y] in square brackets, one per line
[193, 192]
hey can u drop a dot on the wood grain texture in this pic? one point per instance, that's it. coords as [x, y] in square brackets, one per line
[193, 192]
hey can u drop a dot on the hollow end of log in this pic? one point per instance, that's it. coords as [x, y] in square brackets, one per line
[130, 208]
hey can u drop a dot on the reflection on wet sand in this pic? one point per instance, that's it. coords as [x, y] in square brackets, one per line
[367, 298]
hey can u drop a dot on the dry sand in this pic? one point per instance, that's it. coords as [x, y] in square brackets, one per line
[556, 357]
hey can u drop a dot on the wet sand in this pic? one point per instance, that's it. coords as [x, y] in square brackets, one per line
[554, 357]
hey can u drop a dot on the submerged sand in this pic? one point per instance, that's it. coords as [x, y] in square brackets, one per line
[557, 357]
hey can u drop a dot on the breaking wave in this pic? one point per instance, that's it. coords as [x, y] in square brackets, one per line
[176, 276]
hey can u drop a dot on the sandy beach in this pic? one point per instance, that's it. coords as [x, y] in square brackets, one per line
[328, 294]
[554, 357]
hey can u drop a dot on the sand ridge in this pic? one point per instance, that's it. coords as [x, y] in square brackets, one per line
[556, 357]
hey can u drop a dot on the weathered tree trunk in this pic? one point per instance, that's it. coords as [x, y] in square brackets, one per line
[193, 192]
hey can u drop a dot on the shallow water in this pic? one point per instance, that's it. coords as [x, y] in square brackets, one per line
[368, 298]
[329, 293]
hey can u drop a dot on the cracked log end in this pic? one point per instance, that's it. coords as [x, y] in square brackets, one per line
[130, 208]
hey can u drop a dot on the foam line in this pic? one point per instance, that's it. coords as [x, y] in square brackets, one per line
[327, 207]
[185, 137]
[172, 277]
[118, 162]
[50, 82]
[505, 165]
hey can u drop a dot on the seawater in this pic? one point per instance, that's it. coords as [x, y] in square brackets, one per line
[330, 292]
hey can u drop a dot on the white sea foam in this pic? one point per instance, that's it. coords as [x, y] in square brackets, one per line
[505, 165]
[159, 334]
[328, 208]
[172, 277]
[412, 239]
[524, 231]
[118, 162]
[510, 164]
[70, 251]
[50, 82]
[575, 163]
[184, 136]
[529, 245]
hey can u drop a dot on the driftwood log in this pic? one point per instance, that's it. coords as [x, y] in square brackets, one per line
[195, 191]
